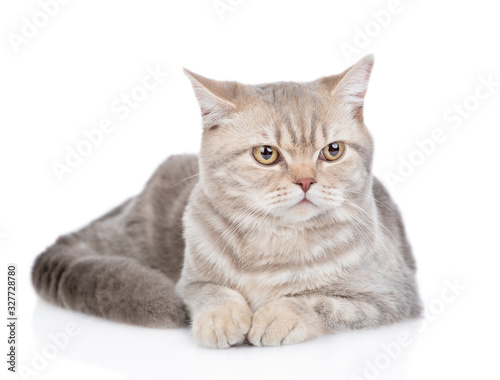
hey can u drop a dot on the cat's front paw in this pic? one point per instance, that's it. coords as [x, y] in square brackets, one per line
[224, 326]
[278, 323]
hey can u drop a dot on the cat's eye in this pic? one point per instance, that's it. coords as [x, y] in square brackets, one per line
[265, 154]
[333, 151]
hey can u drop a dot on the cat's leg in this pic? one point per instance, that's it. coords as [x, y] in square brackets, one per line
[220, 316]
[291, 320]
[73, 275]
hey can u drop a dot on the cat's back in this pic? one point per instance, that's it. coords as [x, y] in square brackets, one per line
[174, 169]
[390, 216]
[168, 190]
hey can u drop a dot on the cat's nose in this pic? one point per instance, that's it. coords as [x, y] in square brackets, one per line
[305, 183]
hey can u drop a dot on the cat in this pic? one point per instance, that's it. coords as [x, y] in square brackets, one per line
[277, 233]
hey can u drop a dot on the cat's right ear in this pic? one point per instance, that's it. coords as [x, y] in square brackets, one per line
[213, 97]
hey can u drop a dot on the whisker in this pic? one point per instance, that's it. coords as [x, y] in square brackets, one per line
[183, 180]
[372, 198]
[379, 222]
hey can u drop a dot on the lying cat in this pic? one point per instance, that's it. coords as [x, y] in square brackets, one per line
[275, 234]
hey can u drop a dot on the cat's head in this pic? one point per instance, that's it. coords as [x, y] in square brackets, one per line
[296, 151]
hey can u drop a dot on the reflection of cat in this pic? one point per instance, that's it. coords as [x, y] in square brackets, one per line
[287, 235]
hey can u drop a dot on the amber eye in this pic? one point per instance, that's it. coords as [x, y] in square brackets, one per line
[333, 151]
[265, 154]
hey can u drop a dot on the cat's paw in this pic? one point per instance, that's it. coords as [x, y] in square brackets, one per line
[277, 323]
[224, 326]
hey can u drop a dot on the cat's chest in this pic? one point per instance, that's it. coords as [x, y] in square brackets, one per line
[275, 265]
[289, 249]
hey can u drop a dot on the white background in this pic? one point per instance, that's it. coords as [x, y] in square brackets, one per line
[429, 56]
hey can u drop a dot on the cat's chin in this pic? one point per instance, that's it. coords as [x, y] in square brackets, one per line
[302, 211]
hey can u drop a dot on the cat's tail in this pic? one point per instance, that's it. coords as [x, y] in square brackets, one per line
[71, 274]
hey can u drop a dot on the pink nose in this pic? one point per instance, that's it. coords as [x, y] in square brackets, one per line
[305, 183]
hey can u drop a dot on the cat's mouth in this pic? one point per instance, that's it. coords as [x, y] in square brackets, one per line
[305, 201]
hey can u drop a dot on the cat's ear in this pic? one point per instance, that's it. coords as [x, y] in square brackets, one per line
[350, 86]
[214, 98]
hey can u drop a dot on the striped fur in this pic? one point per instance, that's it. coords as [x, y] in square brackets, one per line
[248, 262]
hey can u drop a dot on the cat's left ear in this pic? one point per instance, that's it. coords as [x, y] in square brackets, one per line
[350, 86]
[214, 98]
